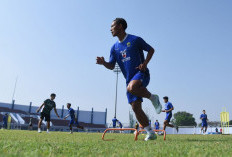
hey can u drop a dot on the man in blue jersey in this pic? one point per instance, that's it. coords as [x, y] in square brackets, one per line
[128, 53]
[114, 122]
[157, 125]
[168, 109]
[5, 117]
[73, 120]
[204, 124]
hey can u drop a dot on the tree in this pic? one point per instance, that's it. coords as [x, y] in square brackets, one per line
[230, 123]
[184, 119]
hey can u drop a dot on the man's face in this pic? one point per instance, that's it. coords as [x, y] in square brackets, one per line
[203, 112]
[68, 106]
[115, 29]
[165, 100]
[53, 97]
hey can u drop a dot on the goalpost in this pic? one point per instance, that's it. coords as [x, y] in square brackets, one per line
[224, 116]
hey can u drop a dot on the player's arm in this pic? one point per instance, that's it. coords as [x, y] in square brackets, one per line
[66, 116]
[56, 112]
[40, 108]
[101, 61]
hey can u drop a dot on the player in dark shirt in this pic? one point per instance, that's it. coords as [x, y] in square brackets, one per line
[48, 105]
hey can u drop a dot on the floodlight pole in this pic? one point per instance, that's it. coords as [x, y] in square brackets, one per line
[116, 70]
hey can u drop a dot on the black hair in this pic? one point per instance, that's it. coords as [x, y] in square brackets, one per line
[53, 94]
[69, 104]
[203, 110]
[166, 98]
[122, 22]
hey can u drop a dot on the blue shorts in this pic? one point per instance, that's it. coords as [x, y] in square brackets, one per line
[204, 124]
[156, 128]
[145, 79]
[72, 121]
[168, 117]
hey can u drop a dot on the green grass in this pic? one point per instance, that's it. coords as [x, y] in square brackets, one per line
[31, 143]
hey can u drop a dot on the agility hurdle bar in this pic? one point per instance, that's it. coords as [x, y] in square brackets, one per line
[118, 129]
[136, 137]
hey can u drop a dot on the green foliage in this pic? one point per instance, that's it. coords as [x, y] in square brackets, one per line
[230, 122]
[61, 144]
[184, 119]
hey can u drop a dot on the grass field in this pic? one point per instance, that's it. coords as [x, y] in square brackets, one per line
[31, 143]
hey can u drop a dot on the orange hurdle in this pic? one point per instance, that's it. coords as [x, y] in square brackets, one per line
[137, 132]
[153, 130]
[103, 135]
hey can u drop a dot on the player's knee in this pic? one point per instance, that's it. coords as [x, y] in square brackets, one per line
[131, 88]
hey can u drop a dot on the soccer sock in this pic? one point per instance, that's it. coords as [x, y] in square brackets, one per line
[148, 129]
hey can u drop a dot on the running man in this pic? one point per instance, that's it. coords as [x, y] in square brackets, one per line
[157, 125]
[48, 105]
[71, 113]
[128, 53]
[168, 109]
[204, 123]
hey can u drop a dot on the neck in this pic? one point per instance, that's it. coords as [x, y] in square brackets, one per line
[121, 36]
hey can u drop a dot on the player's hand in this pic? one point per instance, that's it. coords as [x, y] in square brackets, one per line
[64, 118]
[163, 110]
[100, 60]
[142, 67]
[37, 110]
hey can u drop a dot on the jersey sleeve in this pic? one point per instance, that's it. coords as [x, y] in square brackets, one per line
[112, 56]
[54, 104]
[143, 45]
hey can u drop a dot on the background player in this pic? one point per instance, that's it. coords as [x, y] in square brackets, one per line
[168, 109]
[71, 113]
[128, 53]
[204, 124]
[157, 125]
[48, 105]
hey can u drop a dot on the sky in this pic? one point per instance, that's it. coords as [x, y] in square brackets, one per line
[51, 46]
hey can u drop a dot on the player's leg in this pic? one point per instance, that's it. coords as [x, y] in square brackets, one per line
[205, 129]
[139, 113]
[137, 87]
[40, 122]
[165, 124]
[202, 129]
[142, 118]
[48, 125]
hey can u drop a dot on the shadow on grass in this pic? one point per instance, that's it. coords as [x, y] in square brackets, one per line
[108, 139]
[208, 140]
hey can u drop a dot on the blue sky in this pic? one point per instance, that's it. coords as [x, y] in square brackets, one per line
[52, 45]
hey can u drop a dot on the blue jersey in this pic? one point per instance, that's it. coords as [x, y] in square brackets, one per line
[204, 118]
[71, 113]
[114, 121]
[129, 55]
[157, 124]
[4, 119]
[120, 124]
[168, 106]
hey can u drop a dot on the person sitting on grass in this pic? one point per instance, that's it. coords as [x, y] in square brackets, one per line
[73, 120]
[168, 109]
[48, 105]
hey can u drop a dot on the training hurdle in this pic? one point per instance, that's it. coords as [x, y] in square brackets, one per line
[164, 132]
[133, 129]
[119, 129]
